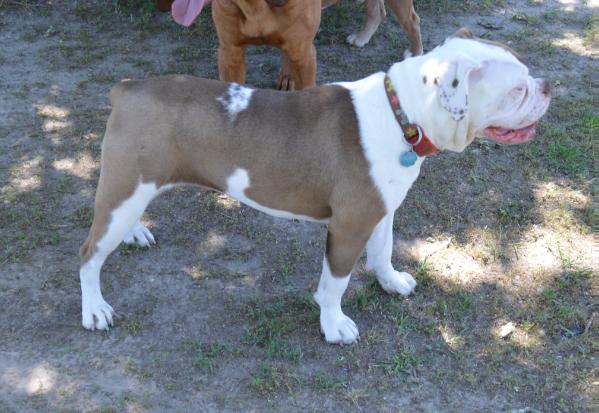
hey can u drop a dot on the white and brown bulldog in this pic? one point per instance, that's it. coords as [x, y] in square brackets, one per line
[335, 154]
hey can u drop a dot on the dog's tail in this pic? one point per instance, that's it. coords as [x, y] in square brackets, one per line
[277, 3]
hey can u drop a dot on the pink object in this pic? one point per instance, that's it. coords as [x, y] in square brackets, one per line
[186, 11]
[510, 136]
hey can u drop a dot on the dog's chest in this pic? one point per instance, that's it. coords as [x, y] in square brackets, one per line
[382, 141]
[391, 179]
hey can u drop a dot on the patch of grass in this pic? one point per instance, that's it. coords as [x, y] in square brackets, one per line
[530, 40]
[402, 319]
[207, 353]
[443, 7]
[356, 396]
[72, 55]
[424, 273]
[404, 361]
[272, 378]
[525, 18]
[25, 223]
[591, 31]
[322, 382]
[510, 212]
[132, 327]
[274, 323]
[365, 297]
[84, 216]
[565, 144]
[573, 276]
[130, 248]
[456, 306]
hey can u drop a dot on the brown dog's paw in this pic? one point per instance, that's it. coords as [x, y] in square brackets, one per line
[285, 82]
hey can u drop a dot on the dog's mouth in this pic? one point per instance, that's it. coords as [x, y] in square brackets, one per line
[510, 136]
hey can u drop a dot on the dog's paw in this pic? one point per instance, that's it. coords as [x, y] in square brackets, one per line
[96, 314]
[285, 82]
[357, 40]
[139, 235]
[407, 54]
[397, 282]
[338, 328]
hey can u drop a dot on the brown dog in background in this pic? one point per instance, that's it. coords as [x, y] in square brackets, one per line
[290, 25]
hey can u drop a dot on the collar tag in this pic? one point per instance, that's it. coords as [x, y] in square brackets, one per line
[408, 158]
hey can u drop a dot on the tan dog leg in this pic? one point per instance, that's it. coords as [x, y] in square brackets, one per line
[121, 198]
[375, 10]
[285, 81]
[409, 20]
[302, 64]
[231, 63]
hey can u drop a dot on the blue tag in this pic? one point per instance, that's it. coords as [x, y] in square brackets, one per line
[408, 158]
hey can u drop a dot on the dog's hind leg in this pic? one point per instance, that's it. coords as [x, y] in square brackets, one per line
[378, 259]
[375, 15]
[117, 210]
[409, 20]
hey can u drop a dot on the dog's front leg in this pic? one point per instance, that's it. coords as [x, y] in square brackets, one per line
[345, 243]
[301, 59]
[378, 259]
[231, 63]
[285, 81]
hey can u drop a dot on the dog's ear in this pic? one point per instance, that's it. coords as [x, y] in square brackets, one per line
[464, 33]
[452, 81]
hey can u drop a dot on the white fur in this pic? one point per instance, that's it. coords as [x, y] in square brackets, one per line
[95, 312]
[239, 181]
[382, 140]
[236, 99]
[139, 235]
[379, 250]
[336, 326]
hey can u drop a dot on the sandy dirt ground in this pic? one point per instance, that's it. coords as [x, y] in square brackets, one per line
[218, 316]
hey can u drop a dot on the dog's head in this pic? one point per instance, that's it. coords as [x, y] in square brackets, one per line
[482, 89]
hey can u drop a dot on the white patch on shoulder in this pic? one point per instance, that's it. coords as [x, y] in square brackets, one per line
[239, 181]
[382, 140]
[236, 99]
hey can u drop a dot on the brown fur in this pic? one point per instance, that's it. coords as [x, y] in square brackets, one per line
[307, 159]
[290, 25]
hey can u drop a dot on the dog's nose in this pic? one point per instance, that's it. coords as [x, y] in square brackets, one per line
[545, 87]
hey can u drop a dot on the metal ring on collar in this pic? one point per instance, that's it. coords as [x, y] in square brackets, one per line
[419, 135]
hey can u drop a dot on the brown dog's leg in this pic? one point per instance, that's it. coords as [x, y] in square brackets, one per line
[285, 81]
[120, 201]
[227, 19]
[231, 63]
[375, 15]
[409, 20]
[302, 63]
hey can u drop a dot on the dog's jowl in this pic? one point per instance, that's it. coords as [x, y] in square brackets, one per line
[344, 154]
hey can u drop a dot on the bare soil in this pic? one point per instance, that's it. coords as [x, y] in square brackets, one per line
[218, 316]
